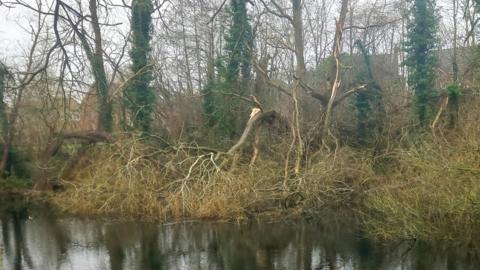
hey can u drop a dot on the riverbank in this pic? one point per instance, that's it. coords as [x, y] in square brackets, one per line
[408, 185]
[420, 189]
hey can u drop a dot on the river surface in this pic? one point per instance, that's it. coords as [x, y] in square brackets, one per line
[34, 238]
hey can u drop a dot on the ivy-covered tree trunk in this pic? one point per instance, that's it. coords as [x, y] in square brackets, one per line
[421, 60]
[234, 73]
[7, 126]
[3, 107]
[453, 90]
[139, 95]
[238, 43]
[207, 90]
[369, 104]
[3, 119]
[96, 62]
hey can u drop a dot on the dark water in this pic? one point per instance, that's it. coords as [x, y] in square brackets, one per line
[33, 238]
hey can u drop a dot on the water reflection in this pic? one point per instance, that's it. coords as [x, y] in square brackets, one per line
[34, 239]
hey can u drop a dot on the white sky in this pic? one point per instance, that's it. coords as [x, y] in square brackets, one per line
[13, 39]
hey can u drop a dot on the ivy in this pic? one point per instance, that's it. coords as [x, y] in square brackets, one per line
[421, 43]
[369, 100]
[139, 95]
[220, 103]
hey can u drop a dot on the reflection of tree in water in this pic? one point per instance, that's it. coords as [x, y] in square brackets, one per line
[249, 247]
[13, 236]
[17, 228]
[139, 240]
[151, 257]
[46, 240]
[113, 243]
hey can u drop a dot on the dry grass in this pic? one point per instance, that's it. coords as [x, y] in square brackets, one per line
[423, 186]
[131, 178]
[434, 191]
[338, 178]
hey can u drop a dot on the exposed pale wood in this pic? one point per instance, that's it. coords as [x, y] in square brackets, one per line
[337, 47]
[252, 122]
[439, 113]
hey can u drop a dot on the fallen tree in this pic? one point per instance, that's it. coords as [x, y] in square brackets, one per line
[86, 138]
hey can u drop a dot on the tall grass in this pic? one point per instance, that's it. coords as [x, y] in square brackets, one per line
[423, 186]
[131, 178]
[433, 192]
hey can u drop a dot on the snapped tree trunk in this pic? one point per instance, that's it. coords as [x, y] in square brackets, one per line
[336, 55]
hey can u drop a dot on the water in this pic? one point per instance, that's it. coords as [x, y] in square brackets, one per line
[33, 238]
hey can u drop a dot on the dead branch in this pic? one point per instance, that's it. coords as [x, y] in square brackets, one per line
[256, 142]
[216, 12]
[280, 12]
[271, 82]
[439, 113]
[337, 47]
[337, 81]
[349, 93]
[251, 124]
[297, 129]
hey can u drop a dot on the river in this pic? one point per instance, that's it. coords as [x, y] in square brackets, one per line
[35, 238]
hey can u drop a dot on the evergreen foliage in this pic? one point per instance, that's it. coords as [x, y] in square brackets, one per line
[208, 101]
[3, 107]
[239, 42]
[221, 104]
[139, 95]
[368, 101]
[421, 60]
[453, 92]
[15, 165]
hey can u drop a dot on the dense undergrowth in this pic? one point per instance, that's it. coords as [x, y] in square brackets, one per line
[132, 178]
[434, 190]
[422, 186]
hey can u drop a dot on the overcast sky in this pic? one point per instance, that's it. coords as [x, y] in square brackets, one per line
[13, 39]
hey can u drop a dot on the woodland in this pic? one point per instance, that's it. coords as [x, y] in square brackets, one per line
[236, 109]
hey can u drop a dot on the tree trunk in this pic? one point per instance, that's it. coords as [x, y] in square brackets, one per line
[98, 68]
[454, 56]
[337, 46]
[298, 33]
[188, 72]
[3, 120]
